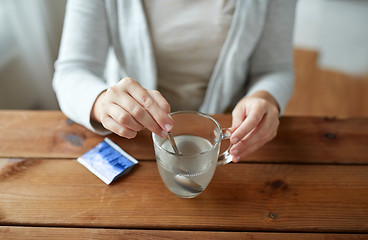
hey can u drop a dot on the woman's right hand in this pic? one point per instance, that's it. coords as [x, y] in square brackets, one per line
[127, 108]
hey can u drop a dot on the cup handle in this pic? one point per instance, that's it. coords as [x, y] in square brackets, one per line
[225, 157]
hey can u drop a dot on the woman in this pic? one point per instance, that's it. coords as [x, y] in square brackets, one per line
[208, 55]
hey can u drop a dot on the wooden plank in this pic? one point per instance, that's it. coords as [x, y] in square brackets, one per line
[49, 134]
[98, 233]
[317, 140]
[241, 197]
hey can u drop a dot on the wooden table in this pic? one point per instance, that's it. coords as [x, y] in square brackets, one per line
[310, 182]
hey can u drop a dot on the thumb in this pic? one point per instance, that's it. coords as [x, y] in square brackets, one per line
[238, 116]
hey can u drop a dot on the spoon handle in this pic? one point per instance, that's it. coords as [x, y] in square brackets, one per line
[173, 144]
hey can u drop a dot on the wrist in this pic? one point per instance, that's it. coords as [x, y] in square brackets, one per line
[97, 107]
[266, 96]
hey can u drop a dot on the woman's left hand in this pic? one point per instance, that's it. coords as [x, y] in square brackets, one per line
[255, 122]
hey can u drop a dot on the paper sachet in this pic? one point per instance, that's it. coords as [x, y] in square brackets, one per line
[107, 161]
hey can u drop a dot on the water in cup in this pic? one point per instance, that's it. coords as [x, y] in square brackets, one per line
[189, 173]
[188, 170]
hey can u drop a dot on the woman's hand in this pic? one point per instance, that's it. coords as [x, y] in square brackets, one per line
[255, 122]
[127, 108]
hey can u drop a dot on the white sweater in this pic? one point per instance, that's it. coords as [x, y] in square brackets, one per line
[257, 54]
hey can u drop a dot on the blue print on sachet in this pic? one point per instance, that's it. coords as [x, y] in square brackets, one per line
[107, 161]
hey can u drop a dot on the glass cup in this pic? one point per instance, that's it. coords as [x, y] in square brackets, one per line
[198, 138]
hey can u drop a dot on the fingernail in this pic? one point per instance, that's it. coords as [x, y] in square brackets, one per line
[235, 152]
[168, 127]
[163, 134]
[237, 158]
[235, 140]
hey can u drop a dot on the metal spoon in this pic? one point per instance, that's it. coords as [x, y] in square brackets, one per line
[172, 142]
[182, 180]
[188, 184]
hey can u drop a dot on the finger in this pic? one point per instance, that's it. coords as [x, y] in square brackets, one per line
[115, 127]
[161, 101]
[250, 123]
[142, 96]
[246, 152]
[118, 95]
[157, 96]
[238, 116]
[140, 114]
[122, 117]
[264, 132]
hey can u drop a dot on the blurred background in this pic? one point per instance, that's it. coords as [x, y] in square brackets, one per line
[330, 51]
